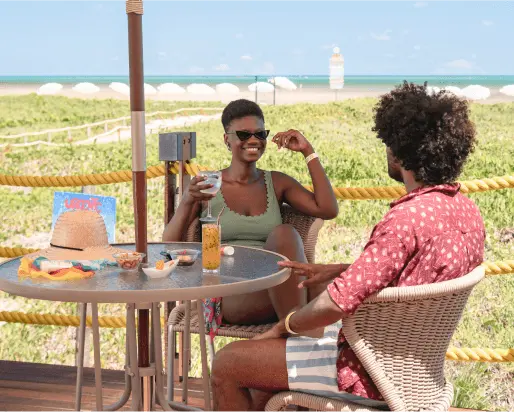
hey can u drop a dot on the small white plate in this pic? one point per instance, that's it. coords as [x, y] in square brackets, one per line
[157, 274]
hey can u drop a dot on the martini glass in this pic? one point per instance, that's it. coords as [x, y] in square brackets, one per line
[212, 178]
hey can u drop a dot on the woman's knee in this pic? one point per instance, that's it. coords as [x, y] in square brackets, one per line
[285, 232]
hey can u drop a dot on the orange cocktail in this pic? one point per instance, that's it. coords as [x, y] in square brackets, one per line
[211, 243]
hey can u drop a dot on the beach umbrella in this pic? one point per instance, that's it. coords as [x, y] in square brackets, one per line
[282, 83]
[120, 88]
[476, 92]
[49, 88]
[171, 88]
[149, 90]
[85, 88]
[227, 88]
[261, 87]
[457, 91]
[432, 90]
[134, 10]
[200, 88]
[508, 90]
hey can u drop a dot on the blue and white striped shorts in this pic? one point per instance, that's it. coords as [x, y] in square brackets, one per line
[311, 366]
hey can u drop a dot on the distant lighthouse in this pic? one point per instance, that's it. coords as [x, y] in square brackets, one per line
[336, 68]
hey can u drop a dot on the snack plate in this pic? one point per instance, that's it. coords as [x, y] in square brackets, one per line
[157, 274]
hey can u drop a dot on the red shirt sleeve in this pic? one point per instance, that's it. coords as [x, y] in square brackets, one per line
[382, 260]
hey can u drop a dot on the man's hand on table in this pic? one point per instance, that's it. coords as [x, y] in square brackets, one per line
[316, 274]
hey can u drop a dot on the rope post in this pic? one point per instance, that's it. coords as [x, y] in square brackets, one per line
[179, 147]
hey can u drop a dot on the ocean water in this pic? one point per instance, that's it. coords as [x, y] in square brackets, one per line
[307, 81]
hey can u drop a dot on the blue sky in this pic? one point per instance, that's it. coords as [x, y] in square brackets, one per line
[264, 37]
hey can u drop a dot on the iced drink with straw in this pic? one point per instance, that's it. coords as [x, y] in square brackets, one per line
[211, 246]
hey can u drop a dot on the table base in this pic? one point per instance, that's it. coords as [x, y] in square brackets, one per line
[146, 384]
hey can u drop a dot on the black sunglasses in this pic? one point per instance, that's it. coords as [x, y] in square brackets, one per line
[243, 135]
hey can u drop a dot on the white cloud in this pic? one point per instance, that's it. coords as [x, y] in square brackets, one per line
[195, 69]
[239, 36]
[460, 64]
[487, 22]
[221, 67]
[382, 36]
[420, 4]
[417, 47]
[246, 57]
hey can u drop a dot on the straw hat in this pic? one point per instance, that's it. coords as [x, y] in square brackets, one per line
[79, 235]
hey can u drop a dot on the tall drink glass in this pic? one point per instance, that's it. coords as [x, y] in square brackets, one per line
[211, 245]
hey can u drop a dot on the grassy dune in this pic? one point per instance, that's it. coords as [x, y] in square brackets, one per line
[341, 133]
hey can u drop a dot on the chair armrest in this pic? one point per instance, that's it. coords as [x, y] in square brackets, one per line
[307, 226]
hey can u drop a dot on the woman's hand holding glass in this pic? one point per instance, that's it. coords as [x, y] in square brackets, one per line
[194, 193]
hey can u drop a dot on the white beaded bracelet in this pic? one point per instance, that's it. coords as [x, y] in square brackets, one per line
[311, 157]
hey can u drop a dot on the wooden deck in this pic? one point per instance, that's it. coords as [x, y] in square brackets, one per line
[41, 387]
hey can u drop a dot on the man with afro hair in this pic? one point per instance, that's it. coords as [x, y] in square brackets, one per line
[432, 234]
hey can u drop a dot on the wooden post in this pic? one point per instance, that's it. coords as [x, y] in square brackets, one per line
[89, 131]
[105, 127]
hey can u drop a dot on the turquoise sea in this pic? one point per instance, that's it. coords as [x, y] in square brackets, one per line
[308, 81]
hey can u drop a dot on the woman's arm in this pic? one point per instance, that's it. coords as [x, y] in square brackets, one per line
[322, 202]
[187, 211]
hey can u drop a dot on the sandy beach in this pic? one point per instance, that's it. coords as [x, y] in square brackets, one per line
[301, 95]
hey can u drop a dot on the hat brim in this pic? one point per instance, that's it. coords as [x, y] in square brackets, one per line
[91, 253]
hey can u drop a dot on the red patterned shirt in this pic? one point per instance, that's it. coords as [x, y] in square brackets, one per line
[430, 235]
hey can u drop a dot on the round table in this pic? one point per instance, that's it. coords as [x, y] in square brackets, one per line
[248, 270]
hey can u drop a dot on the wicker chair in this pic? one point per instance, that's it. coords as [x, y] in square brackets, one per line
[308, 228]
[401, 336]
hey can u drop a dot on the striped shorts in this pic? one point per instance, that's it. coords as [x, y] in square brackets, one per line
[311, 367]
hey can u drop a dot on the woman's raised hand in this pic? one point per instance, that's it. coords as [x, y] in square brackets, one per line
[294, 141]
[194, 193]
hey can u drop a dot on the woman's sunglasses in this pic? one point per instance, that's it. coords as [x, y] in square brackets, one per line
[243, 135]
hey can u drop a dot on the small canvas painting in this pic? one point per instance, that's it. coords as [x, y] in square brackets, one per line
[104, 205]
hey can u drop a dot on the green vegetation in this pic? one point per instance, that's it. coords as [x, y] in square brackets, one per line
[341, 133]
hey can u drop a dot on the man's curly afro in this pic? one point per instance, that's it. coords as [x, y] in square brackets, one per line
[431, 134]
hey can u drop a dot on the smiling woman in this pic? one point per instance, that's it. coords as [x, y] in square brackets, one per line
[250, 199]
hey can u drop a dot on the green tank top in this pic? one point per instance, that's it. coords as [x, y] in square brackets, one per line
[240, 230]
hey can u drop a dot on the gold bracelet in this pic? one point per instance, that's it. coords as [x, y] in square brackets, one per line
[287, 323]
[311, 157]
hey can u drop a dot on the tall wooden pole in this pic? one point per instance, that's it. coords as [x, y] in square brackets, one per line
[137, 113]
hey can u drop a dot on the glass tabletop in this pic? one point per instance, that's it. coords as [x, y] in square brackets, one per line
[248, 270]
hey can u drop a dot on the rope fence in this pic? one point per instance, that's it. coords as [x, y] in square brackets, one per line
[117, 322]
[123, 120]
[342, 193]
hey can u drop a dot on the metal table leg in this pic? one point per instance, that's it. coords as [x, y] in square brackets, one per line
[158, 366]
[203, 350]
[96, 350]
[133, 369]
[80, 366]
[186, 351]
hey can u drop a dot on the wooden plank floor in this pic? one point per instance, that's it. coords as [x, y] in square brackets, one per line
[41, 387]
